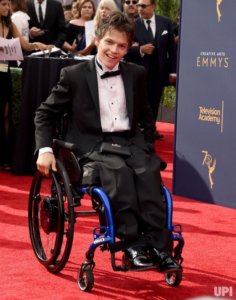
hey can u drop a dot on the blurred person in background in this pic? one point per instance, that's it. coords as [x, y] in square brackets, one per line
[67, 13]
[47, 22]
[70, 11]
[8, 30]
[20, 17]
[74, 9]
[104, 10]
[130, 9]
[75, 41]
[154, 48]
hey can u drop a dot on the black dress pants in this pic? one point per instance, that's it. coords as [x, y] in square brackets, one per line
[133, 186]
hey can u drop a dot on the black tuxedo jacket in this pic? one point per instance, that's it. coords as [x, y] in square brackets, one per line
[54, 23]
[77, 94]
[162, 61]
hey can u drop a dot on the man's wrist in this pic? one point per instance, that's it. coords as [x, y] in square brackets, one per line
[45, 150]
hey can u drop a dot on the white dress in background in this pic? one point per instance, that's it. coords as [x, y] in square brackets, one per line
[20, 19]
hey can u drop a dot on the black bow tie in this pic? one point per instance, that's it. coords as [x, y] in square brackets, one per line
[110, 74]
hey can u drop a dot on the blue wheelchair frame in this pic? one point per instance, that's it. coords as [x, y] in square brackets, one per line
[108, 232]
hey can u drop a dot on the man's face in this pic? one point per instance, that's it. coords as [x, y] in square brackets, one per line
[112, 47]
[130, 7]
[145, 9]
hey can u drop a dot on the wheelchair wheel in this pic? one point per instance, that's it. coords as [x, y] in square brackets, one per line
[173, 279]
[68, 220]
[86, 281]
[45, 217]
[51, 218]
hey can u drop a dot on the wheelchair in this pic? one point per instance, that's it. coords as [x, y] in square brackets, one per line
[53, 208]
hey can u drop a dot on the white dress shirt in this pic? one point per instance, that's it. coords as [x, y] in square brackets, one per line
[112, 101]
[43, 5]
[153, 28]
[152, 24]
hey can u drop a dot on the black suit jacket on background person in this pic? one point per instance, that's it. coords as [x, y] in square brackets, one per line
[77, 92]
[54, 23]
[161, 62]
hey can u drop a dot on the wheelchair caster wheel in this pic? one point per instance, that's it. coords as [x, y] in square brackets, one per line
[86, 280]
[173, 279]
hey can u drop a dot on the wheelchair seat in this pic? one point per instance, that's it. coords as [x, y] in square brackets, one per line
[53, 207]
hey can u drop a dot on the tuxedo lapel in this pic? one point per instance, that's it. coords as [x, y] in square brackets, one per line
[91, 75]
[128, 86]
[142, 27]
[49, 10]
[142, 31]
[33, 11]
[158, 31]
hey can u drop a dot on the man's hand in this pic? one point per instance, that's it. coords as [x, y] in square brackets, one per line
[35, 32]
[147, 49]
[46, 162]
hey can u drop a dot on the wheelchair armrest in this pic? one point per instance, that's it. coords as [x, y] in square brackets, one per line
[66, 153]
[60, 144]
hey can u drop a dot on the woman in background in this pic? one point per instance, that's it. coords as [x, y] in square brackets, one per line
[104, 9]
[70, 11]
[8, 30]
[74, 9]
[75, 30]
[20, 18]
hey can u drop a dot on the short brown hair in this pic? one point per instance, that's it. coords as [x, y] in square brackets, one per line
[118, 21]
[80, 4]
[19, 5]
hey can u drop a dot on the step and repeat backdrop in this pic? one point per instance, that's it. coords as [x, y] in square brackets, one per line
[205, 137]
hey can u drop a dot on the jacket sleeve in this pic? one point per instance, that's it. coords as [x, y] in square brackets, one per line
[50, 112]
[61, 27]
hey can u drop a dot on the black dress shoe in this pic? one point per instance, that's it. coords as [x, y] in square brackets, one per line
[164, 262]
[136, 258]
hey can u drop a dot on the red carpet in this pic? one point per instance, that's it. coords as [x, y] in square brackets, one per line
[209, 252]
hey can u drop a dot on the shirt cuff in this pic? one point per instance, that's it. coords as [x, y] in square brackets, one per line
[141, 53]
[44, 150]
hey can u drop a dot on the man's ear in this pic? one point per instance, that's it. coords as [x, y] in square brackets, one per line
[96, 41]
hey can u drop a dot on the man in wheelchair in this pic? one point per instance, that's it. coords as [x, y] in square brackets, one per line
[111, 124]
